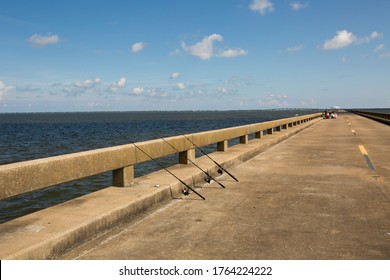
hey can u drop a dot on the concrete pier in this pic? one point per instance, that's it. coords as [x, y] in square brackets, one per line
[322, 193]
[313, 196]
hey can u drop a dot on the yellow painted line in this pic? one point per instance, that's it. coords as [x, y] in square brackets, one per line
[365, 155]
[377, 178]
[363, 150]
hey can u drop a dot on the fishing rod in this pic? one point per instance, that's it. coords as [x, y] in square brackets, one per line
[221, 168]
[209, 177]
[185, 192]
[166, 169]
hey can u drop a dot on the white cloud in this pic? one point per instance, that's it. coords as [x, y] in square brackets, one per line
[138, 90]
[272, 100]
[87, 84]
[3, 88]
[261, 6]
[345, 38]
[28, 88]
[222, 90]
[157, 93]
[233, 53]
[121, 83]
[295, 49]
[379, 48]
[341, 40]
[80, 87]
[39, 41]
[181, 86]
[137, 47]
[175, 75]
[373, 36]
[204, 48]
[296, 6]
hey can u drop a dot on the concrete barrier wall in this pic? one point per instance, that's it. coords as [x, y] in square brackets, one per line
[22, 177]
[380, 117]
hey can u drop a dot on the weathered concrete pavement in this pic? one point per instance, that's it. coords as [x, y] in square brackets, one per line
[313, 196]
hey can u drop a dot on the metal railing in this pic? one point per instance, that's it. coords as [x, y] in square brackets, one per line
[27, 176]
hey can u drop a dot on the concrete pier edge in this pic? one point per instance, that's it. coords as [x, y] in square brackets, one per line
[48, 233]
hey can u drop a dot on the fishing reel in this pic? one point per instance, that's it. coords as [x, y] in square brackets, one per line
[185, 191]
[220, 171]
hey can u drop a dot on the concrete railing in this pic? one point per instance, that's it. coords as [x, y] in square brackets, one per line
[380, 117]
[22, 177]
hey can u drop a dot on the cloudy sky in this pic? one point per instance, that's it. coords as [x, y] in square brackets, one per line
[193, 55]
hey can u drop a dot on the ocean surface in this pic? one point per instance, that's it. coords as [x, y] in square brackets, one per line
[27, 136]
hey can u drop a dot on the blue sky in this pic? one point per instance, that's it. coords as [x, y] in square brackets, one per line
[193, 55]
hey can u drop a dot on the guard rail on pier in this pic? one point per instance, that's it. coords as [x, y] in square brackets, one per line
[377, 116]
[27, 176]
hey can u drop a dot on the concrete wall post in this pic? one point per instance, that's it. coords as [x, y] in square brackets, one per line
[186, 156]
[259, 134]
[244, 139]
[123, 177]
[222, 146]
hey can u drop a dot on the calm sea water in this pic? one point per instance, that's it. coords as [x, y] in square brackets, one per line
[27, 136]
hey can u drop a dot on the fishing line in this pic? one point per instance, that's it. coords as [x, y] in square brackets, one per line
[205, 172]
[185, 192]
[221, 168]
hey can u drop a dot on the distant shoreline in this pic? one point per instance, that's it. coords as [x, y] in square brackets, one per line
[169, 111]
[194, 111]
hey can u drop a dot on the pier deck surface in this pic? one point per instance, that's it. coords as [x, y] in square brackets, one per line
[322, 194]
